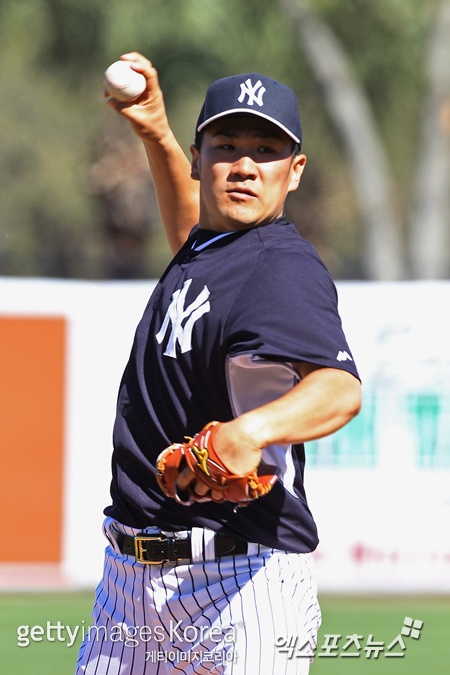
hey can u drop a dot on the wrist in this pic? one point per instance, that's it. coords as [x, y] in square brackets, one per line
[162, 145]
[252, 429]
[236, 448]
[162, 136]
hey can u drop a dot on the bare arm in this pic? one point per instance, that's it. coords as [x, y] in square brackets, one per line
[176, 192]
[321, 403]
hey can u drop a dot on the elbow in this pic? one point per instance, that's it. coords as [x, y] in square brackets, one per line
[353, 399]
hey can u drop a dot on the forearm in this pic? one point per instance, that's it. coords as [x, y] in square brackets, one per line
[177, 193]
[323, 402]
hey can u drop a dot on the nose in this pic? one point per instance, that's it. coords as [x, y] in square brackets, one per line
[244, 167]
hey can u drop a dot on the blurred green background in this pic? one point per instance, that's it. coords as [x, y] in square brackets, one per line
[372, 79]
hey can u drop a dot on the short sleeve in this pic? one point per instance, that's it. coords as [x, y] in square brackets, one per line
[287, 310]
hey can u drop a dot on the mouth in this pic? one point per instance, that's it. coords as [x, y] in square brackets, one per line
[241, 193]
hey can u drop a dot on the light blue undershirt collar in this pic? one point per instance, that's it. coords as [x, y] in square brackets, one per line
[205, 244]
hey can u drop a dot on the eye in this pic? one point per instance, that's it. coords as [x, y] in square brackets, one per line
[266, 149]
[223, 145]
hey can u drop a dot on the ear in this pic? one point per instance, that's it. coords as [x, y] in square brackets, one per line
[195, 162]
[297, 168]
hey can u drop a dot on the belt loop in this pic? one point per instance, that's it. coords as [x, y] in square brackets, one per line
[197, 544]
[253, 549]
[210, 547]
[203, 544]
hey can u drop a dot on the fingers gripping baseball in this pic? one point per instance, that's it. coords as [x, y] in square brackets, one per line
[193, 472]
[146, 111]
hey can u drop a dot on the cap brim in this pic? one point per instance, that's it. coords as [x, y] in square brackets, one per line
[236, 111]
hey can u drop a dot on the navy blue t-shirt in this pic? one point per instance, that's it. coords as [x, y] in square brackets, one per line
[220, 333]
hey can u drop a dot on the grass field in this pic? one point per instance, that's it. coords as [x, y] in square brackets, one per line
[382, 618]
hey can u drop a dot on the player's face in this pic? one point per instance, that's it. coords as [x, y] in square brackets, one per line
[246, 168]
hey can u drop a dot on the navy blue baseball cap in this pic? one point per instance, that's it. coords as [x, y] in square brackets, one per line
[254, 94]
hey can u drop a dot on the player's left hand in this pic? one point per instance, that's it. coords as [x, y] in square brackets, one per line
[194, 472]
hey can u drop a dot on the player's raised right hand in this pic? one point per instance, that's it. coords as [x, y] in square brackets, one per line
[147, 114]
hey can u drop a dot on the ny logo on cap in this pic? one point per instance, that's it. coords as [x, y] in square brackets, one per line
[254, 96]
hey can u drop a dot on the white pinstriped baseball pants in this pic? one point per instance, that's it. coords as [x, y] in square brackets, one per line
[254, 614]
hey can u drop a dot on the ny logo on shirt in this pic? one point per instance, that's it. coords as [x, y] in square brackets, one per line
[254, 96]
[177, 314]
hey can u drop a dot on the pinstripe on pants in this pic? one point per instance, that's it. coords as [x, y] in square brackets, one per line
[235, 616]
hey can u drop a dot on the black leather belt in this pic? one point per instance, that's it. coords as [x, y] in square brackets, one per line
[156, 549]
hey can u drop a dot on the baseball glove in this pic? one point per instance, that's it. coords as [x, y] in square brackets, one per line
[199, 455]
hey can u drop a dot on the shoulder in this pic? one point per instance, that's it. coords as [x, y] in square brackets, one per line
[290, 255]
[284, 237]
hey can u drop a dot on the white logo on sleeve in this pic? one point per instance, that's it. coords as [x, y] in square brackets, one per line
[344, 356]
[254, 96]
[176, 314]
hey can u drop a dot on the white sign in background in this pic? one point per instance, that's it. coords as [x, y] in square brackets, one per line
[386, 528]
[383, 523]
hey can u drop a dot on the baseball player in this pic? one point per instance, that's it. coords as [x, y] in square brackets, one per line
[239, 358]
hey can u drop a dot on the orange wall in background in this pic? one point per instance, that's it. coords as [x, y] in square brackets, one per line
[32, 397]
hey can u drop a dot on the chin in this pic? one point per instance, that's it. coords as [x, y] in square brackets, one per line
[241, 219]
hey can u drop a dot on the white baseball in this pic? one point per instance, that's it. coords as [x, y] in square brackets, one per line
[122, 82]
